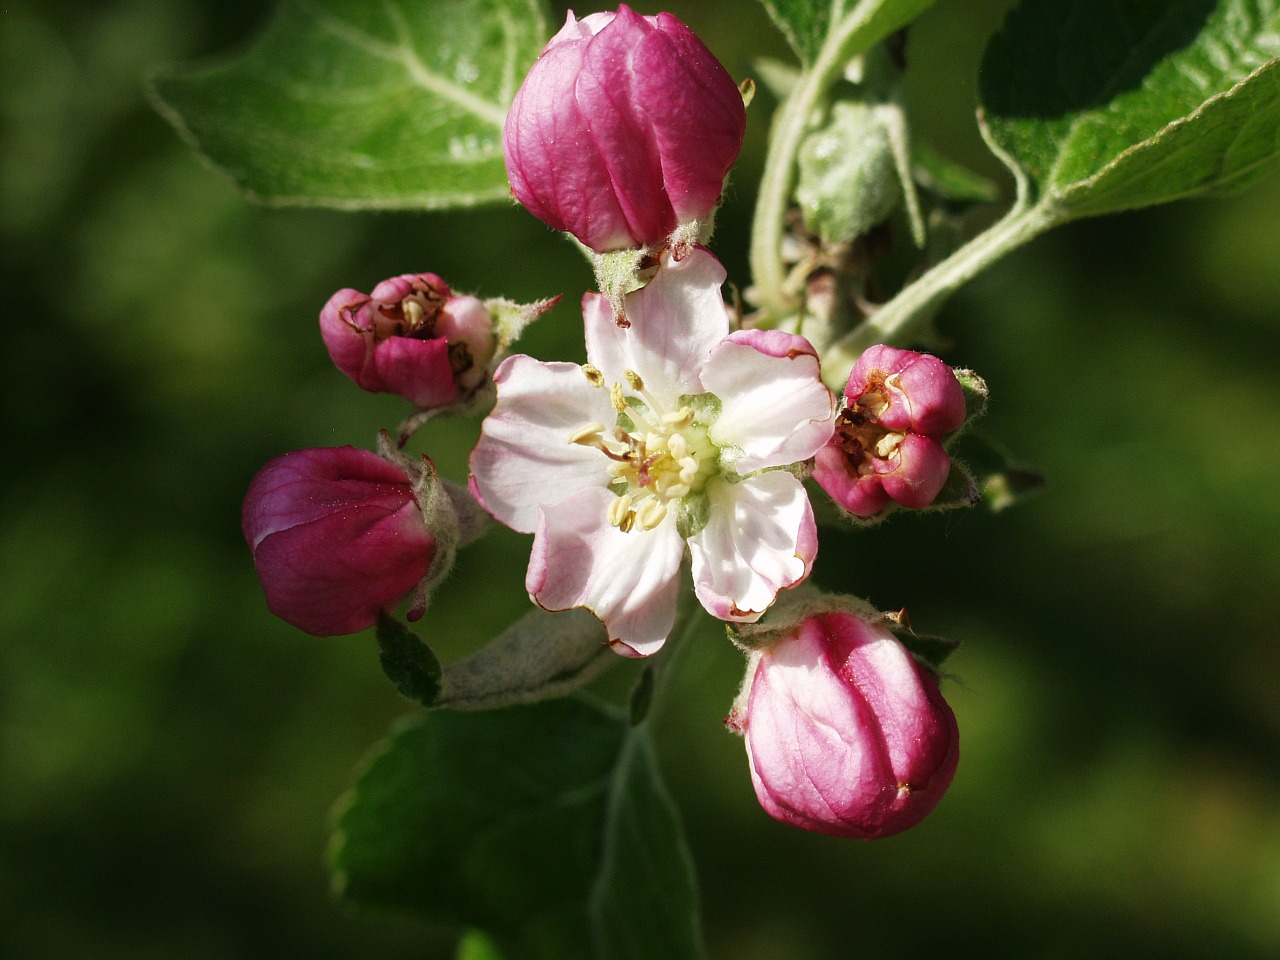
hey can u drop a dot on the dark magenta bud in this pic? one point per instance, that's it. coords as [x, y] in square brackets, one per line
[336, 535]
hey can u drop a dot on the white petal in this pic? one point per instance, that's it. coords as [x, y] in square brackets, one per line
[675, 321]
[774, 406]
[523, 458]
[759, 538]
[628, 580]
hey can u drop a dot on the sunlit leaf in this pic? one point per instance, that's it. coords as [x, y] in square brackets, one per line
[1147, 101]
[352, 104]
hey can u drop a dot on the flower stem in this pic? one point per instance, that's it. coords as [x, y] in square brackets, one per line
[896, 321]
[665, 669]
[852, 36]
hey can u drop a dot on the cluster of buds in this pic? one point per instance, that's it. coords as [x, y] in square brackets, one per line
[682, 436]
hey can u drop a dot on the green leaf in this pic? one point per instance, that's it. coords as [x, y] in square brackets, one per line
[544, 826]
[807, 23]
[407, 661]
[1146, 101]
[541, 656]
[352, 104]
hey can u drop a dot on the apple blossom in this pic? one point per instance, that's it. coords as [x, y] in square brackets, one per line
[411, 336]
[336, 535]
[624, 129]
[846, 733]
[898, 406]
[676, 431]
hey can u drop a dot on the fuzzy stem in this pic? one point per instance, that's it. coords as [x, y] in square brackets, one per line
[896, 321]
[790, 124]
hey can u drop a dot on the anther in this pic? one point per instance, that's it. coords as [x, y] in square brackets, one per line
[888, 444]
[618, 510]
[628, 522]
[652, 514]
[588, 435]
[633, 378]
[593, 375]
[680, 418]
[615, 396]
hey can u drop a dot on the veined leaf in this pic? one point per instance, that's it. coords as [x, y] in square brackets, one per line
[392, 104]
[1107, 105]
[543, 826]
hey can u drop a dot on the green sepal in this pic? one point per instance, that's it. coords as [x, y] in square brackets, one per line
[976, 393]
[705, 406]
[692, 514]
[1003, 480]
[949, 181]
[409, 663]
[928, 649]
[961, 490]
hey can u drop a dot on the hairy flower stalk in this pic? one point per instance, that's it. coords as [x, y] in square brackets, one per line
[676, 432]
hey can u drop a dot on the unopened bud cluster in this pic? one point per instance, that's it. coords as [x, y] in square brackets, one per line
[679, 449]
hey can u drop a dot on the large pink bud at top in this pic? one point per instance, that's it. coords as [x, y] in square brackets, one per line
[623, 130]
[336, 535]
[847, 735]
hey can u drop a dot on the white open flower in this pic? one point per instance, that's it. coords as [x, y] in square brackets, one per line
[674, 431]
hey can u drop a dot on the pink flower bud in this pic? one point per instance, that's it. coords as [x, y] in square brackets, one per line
[899, 405]
[336, 536]
[623, 130]
[412, 337]
[847, 735]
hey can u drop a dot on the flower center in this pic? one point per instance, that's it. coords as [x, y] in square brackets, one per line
[660, 453]
[414, 315]
[862, 437]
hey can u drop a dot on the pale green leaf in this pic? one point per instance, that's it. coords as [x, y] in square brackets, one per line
[1106, 105]
[541, 656]
[394, 104]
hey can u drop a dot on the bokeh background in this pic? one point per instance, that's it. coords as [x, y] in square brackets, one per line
[169, 752]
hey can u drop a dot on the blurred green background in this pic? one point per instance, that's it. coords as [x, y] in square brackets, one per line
[169, 751]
